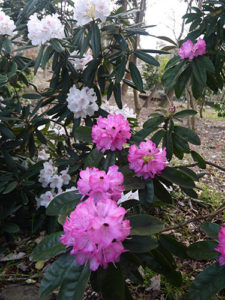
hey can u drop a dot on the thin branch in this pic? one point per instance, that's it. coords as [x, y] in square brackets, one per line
[210, 216]
[207, 162]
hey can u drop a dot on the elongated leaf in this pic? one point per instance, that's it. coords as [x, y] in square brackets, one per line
[95, 41]
[83, 134]
[211, 229]
[136, 76]
[10, 187]
[55, 274]
[203, 250]
[49, 247]
[120, 70]
[165, 38]
[145, 225]
[191, 136]
[153, 122]
[62, 203]
[6, 132]
[56, 45]
[197, 157]
[208, 283]
[185, 113]
[177, 177]
[140, 244]
[74, 282]
[199, 72]
[182, 81]
[146, 58]
[157, 137]
[117, 95]
[172, 245]
[38, 59]
[93, 159]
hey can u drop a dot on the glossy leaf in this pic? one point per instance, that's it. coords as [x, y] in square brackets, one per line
[145, 225]
[203, 250]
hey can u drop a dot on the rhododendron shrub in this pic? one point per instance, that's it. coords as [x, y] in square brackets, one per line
[190, 50]
[74, 166]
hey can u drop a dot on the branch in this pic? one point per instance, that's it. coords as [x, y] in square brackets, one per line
[210, 216]
[207, 162]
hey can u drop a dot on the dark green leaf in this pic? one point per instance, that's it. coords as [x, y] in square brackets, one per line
[199, 72]
[172, 245]
[10, 187]
[38, 59]
[208, 283]
[153, 122]
[56, 45]
[117, 95]
[49, 247]
[191, 136]
[140, 244]
[211, 229]
[177, 177]
[185, 113]
[197, 157]
[10, 228]
[95, 41]
[203, 250]
[136, 76]
[62, 203]
[83, 134]
[93, 159]
[146, 58]
[145, 225]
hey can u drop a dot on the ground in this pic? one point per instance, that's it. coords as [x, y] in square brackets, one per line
[24, 273]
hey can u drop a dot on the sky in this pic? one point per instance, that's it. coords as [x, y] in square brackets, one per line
[167, 15]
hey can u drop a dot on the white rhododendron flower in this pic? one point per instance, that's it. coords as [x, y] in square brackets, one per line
[82, 102]
[47, 173]
[7, 25]
[125, 111]
[42, 155]
[88, 10]
[79, 63]
[1, 104]
[128, 196]
[44, 199]
[41, 31]
[65, 176]
[56, 182]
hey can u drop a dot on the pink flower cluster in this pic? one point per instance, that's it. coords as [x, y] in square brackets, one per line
[190, 50]
[146, 160]
[221, 246]
[111, 132]
[99, 185]
[96, 231]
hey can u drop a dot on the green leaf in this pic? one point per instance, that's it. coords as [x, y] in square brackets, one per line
[146, 58]
[146, 195]
[89, 72]
[165, 38]
[83, 133]
[211, 229]
[172, 62]
[177, 177]
[38, 59]
[31, 96]
[203, 250]
[49, 247]
[206, 63]
[208, 283]
[74, 282]
[153, 122]
[182, 81]
[157, 137]
[10, 228]
[136, 76]
[95, 41]
[120, 70]
[7, 45]
[185, 113]
[93, 159]
[199, 72]
[56, 45]
[161, 192]
[197, 157]
[140, 244]
[62, 203]
[6, 132]
[145, 225]
[10, 187]
[172, 245]
[117, 95]
[55, 274]
[189, 134]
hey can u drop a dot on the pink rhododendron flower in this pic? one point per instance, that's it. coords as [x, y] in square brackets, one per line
[200, 47]
[146, 160]
[111, 132]
[186, 51]
[190, 50]
[221, 246]
[96, 231]
[99, 185]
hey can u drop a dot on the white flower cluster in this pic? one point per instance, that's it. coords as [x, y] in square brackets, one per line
[42, 155]
[7, 26]
[88, 10]
[125, 111]
[79, 63]
[41, 31]
[2, 105]
[49, 177]
[82, 102]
